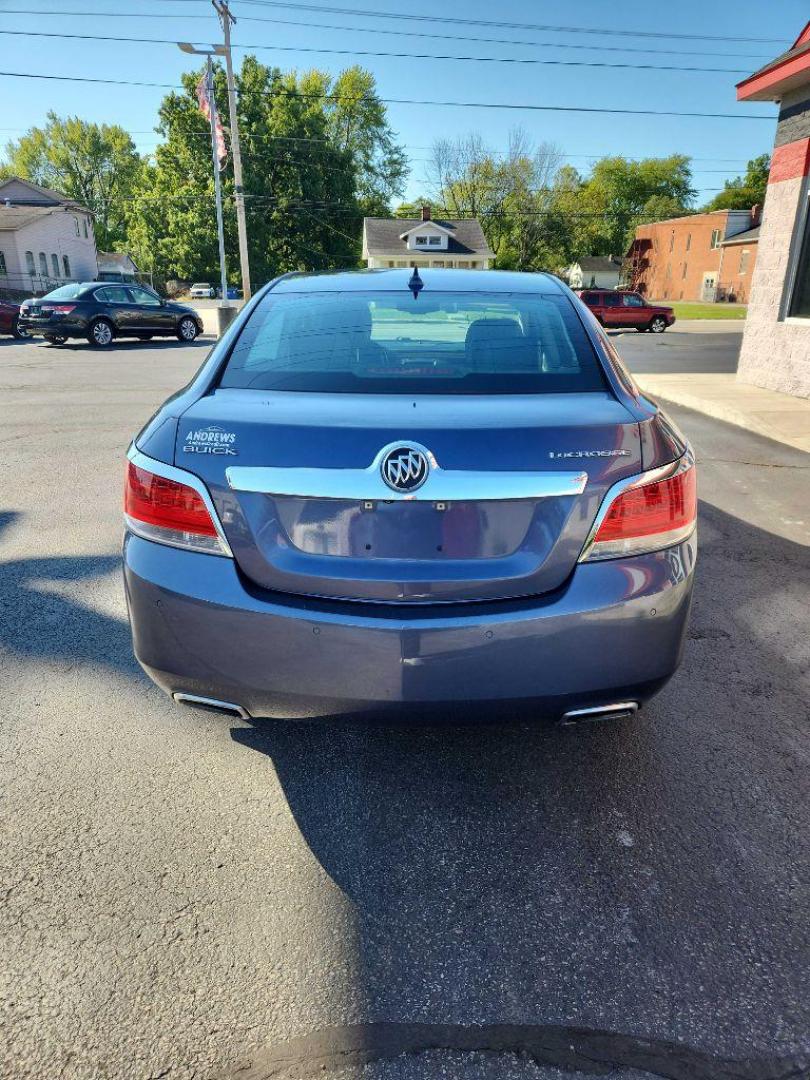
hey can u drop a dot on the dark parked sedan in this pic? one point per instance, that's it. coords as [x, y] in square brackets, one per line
[9, 316]
[385, 491]
[101, 312]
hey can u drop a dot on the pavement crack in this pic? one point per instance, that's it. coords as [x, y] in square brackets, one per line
[755, 464]
[585, 1050]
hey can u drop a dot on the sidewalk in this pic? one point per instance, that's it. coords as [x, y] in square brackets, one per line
[707, 326]
[776, 416]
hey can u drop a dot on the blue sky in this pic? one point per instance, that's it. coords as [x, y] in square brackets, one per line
[723, 146]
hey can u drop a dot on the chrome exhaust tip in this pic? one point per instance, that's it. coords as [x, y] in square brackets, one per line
[211, 704]
[620, 711]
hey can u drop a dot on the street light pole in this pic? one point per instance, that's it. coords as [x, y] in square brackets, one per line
[222, 9]
[209, 78]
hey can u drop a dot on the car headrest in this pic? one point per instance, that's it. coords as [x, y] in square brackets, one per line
[498, 344]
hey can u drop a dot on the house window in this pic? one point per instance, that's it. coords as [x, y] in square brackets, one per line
[84, 223]
[401, 263]
[76, 223]
[717, 237]
[3, 269]
[800, 299]
[688, 241]
[55, 264]
[473, 265]
[390, 263]
[745, 255]
[421, 241]
[30, 265]
[43, 263]
[438, 264]
[683, 274]
[434, 241]
[66, 265]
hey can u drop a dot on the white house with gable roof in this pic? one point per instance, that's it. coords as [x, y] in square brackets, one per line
[46, 239]
[445, 243]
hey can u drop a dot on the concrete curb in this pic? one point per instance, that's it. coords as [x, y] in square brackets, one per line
[780, 417]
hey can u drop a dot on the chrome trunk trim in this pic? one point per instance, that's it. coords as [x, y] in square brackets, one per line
[367, 485]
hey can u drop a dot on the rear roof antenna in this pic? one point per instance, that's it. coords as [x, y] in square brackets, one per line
[416, 284]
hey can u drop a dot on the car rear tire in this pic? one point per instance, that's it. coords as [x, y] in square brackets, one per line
[55, 339]
[187, 329]
[658, 325]
[100, 333]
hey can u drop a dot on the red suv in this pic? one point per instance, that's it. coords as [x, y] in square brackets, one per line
[614, 308]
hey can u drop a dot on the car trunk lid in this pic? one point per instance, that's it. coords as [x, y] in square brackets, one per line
[529, 471]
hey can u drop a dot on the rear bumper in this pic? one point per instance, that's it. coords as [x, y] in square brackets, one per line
[614, 633]
[66, 327]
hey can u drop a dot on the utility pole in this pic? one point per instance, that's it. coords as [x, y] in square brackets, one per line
[209, 79]
[225, 17]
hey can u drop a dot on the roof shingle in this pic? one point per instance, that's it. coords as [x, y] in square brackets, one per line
[382, 236]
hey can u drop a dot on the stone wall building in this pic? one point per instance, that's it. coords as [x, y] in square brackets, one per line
[776, 342]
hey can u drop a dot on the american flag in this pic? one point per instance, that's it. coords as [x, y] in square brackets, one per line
[205, 109]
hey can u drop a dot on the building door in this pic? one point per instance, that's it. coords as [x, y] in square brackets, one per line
[709, 291]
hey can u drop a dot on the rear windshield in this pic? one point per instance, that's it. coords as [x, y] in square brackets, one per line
[66, 292]
[453, 343]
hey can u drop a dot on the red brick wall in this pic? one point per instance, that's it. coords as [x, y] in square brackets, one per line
[680, 254]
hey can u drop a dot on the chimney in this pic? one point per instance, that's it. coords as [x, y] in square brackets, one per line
[756, 215]
[425, 213]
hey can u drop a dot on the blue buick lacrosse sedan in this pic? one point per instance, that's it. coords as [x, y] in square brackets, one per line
[403, 488]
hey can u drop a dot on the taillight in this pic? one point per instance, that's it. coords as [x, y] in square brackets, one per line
[59, 309]
[647, 515]
[162, 508]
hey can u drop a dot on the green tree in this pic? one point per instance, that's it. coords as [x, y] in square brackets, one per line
[358, 123]
[743, 192]
[620, 194]
[509, 195]
[309, 166]
[95, 164]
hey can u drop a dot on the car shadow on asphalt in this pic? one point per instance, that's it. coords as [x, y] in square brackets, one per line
[124, 345]
[615, 875]
[40, 624]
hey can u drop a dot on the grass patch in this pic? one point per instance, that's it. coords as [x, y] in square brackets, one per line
[684, 310]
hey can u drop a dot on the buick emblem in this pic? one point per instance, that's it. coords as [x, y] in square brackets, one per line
[405, 468]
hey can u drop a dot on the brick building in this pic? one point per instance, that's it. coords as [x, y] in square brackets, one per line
[698, 257]
[776, 342]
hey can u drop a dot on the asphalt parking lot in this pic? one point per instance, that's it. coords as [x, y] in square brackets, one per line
[182, 893]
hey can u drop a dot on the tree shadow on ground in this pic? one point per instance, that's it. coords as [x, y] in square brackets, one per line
[40, 624]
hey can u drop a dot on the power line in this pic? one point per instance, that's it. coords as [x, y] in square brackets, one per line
[406, 146]
[272, 202]
[389, 55]
[418, 101]
[544, 28]
[496, 59]
[329, 144]
[600, 47]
